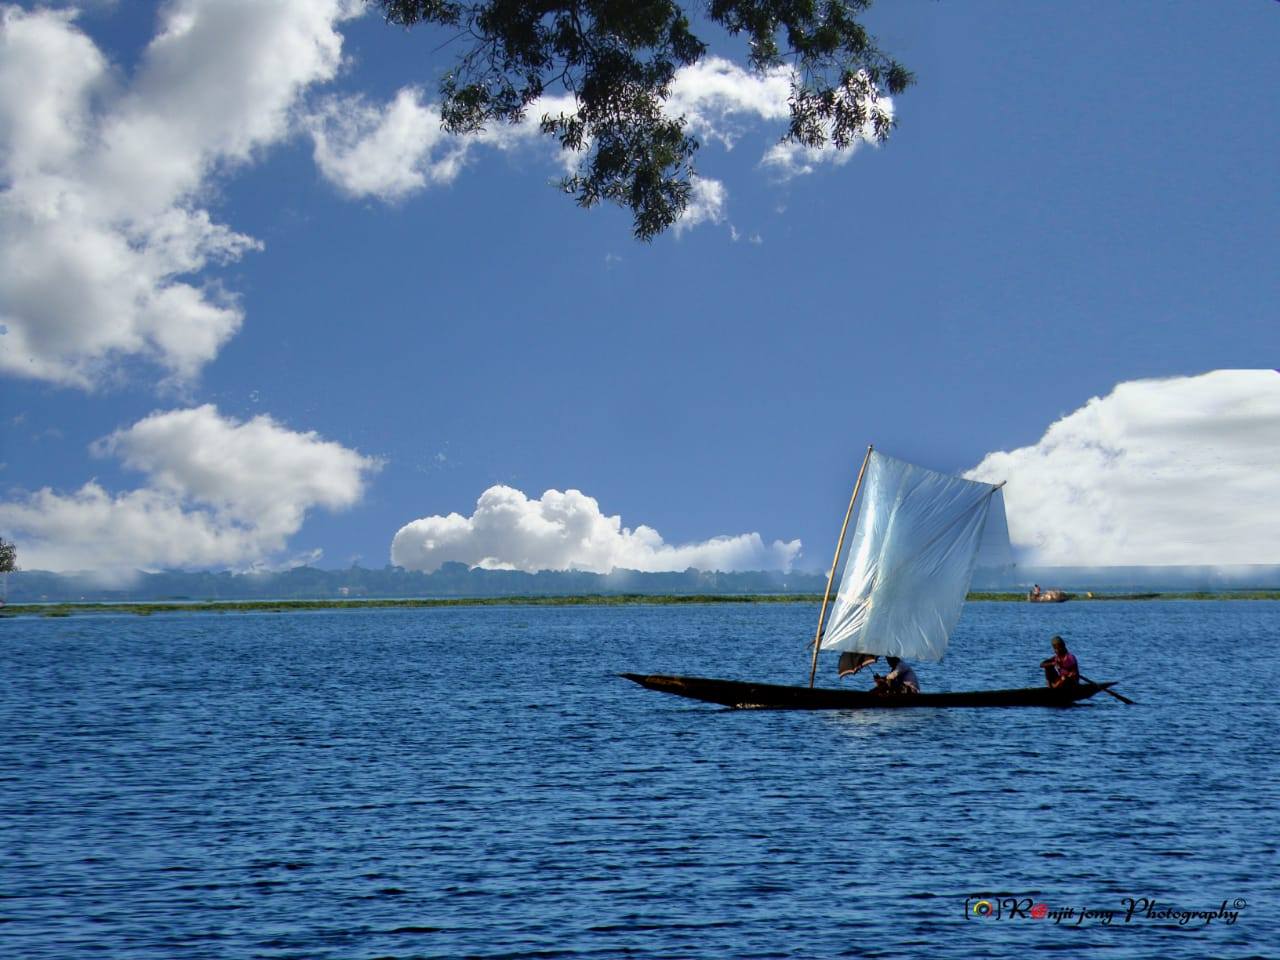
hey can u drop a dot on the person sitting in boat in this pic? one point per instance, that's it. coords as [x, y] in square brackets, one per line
[900, 679]
[1061, 670]
[1035, 591]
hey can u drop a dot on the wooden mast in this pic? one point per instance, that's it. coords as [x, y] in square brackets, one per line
[822, 614]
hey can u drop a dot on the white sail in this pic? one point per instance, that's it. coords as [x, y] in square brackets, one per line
[910, 561]
[994, 551]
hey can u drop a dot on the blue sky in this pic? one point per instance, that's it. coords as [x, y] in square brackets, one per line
[1075, 197]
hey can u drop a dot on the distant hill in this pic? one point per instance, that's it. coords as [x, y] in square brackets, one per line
[451, 580]
[458, 580]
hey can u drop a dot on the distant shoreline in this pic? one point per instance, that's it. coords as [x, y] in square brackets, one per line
[592, 600]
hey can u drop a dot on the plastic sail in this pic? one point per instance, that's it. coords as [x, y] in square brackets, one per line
[910, 561]
[994, 550]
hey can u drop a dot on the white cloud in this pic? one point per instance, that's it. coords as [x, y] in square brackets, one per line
[1176, 471]
[707, 200]
[106, 178]
[102, 227]
[567, 531]
[398, 149]
[720, 100]
[388, 153]
[394, 150]
[715, 96]
[219, 492]
[788, 160]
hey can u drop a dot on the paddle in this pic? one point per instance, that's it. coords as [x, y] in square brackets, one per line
[1119, 696]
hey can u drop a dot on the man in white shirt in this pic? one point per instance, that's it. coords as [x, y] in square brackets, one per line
[901, 678]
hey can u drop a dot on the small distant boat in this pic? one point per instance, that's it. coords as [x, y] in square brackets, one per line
[1048, 596]
[909, 566]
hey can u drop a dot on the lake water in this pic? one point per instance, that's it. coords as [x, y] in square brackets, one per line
[476, 782]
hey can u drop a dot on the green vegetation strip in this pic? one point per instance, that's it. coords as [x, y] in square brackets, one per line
[601, 600]
[281, 606]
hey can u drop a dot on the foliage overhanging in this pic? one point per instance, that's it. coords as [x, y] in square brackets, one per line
[617, 59]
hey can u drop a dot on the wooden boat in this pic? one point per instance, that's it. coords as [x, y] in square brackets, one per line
[745, 695]
[907, 575]
[1049, 596]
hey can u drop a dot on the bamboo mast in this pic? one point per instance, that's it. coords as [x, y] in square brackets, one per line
[822, 614]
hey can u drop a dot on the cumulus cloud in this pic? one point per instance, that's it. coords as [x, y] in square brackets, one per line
[387, 152]
[391, 151]
[1174, 471]
[107, 177]
[567, 531]
[707, 199]
[103, 227]
[788, 160]
[219, 492]
[398, 148]
[720, 100]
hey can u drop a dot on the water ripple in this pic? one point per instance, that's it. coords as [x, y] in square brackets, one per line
[477, 782]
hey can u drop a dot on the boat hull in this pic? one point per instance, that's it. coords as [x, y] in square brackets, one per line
[743, 695]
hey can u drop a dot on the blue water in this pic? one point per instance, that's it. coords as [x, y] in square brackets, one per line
[477, 782]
